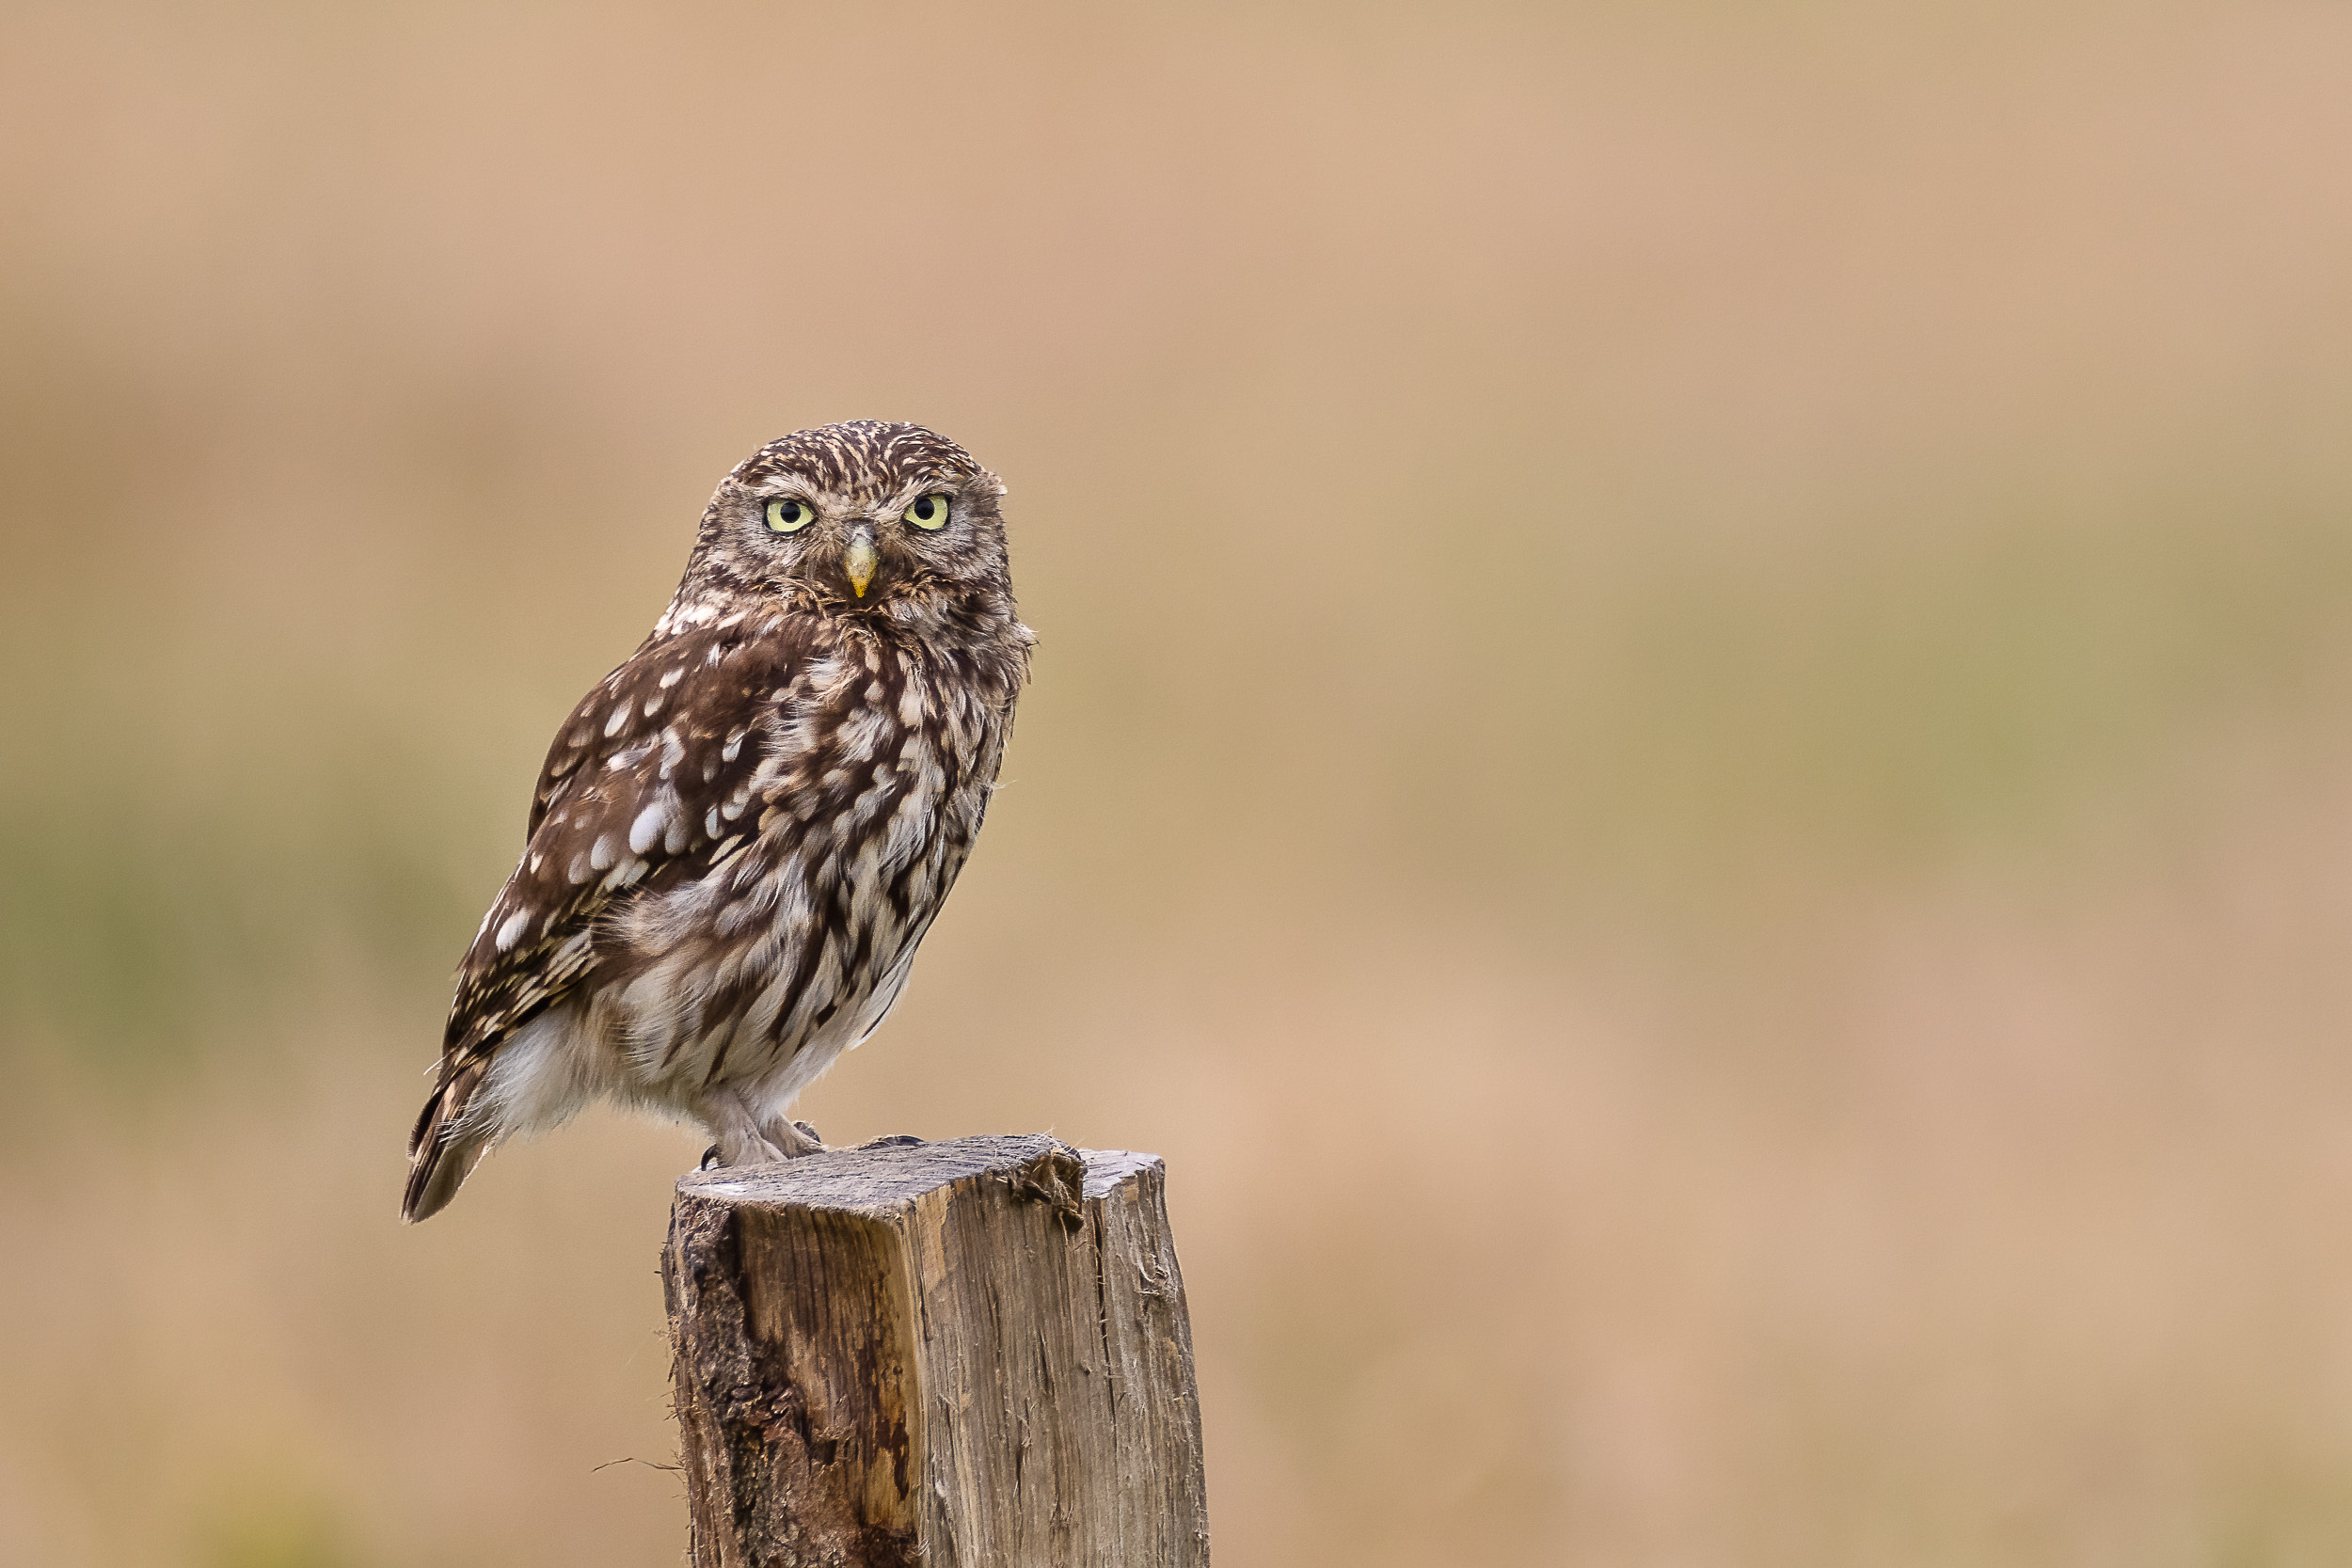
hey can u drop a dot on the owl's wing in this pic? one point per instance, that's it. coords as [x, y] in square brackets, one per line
[648, 781]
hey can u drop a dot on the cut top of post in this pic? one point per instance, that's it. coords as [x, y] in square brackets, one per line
[879, 1179]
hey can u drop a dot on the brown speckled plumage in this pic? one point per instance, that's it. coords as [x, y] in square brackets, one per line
[742, 835]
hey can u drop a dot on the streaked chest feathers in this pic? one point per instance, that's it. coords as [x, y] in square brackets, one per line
[826, 861]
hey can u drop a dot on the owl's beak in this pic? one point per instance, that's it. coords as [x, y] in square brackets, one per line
[861, 561]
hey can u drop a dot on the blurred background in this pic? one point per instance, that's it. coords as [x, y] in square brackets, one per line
[1691, 754]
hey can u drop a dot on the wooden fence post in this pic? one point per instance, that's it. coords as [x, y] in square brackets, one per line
[971, 1352]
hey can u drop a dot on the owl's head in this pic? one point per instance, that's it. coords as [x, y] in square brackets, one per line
[866, 520]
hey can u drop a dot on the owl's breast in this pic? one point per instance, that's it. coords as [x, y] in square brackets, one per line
[860, 815]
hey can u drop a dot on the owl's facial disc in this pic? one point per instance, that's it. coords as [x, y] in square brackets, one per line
[859, 563]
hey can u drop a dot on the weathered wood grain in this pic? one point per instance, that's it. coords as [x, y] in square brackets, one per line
[972, 1352]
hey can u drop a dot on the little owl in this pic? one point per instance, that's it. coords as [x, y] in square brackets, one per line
[742, 835]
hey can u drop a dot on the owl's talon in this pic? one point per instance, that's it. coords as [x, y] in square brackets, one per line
[710, 1158]
[794, 1139]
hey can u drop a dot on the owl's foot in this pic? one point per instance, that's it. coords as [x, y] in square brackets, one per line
[745, 1140]
[793, 1139]
[791, 1148]
[744, 1148]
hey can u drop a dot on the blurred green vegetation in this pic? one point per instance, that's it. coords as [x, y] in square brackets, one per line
[297, 1534]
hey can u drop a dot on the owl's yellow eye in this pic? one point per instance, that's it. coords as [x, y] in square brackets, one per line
[930, 513]
[787, 515]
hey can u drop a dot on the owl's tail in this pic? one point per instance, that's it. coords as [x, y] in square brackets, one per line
[442, 1151]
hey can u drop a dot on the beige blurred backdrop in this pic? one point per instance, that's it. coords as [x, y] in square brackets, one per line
[1692, 754]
